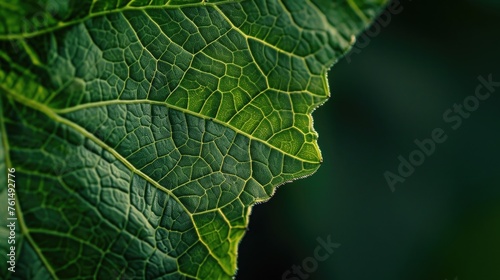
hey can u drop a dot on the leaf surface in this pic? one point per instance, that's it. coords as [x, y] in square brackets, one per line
[142, 132]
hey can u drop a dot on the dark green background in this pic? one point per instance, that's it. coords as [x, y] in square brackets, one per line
[444, 220]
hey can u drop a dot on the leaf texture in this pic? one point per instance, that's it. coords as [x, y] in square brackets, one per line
[142, 132]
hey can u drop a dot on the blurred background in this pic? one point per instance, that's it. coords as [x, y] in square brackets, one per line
[443, 221]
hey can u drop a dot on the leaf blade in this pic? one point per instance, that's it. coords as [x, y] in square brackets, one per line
[162, 127]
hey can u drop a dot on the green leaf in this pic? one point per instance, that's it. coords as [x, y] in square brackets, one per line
[142, 132]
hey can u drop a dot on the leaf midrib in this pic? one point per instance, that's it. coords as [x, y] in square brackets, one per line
[54, 116]
[186, 111]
